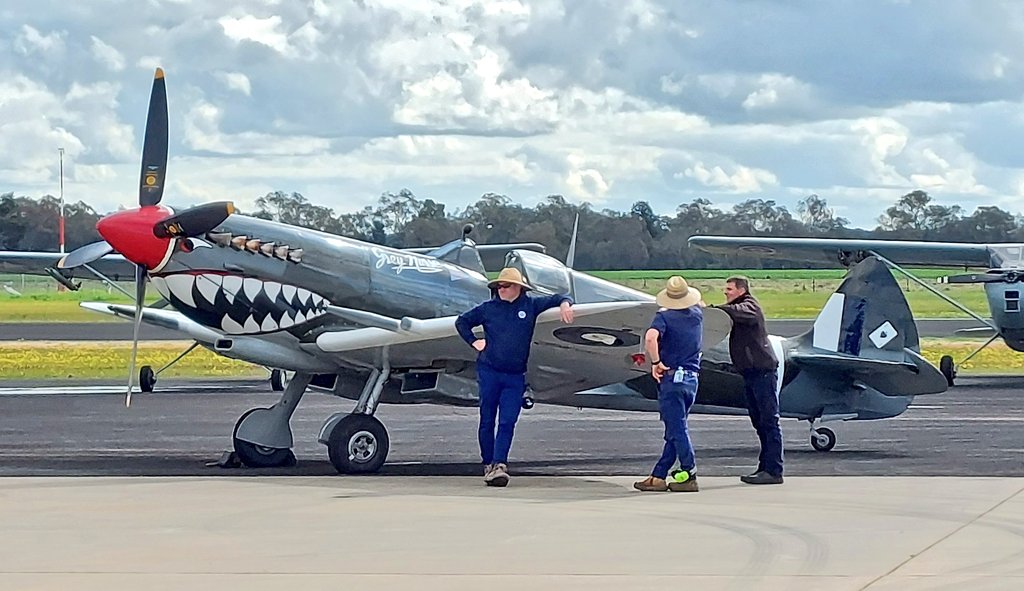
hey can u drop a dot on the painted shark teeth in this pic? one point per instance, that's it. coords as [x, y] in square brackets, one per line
[248, 305]
[181, 286]
[208, 286]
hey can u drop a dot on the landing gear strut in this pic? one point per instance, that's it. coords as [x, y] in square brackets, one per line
[358, 443]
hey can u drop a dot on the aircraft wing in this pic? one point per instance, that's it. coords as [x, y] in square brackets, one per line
[597, 349]
[35, 263]
[831, 250]
[242, 347]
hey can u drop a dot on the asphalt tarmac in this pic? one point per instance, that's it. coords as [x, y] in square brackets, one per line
[974, 429]
[122, 331]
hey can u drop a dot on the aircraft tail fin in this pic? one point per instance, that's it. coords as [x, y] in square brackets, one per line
[866, 332]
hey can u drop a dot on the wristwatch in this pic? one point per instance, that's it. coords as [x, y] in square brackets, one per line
[653, 363]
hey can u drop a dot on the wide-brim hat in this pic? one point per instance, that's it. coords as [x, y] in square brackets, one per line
[509, 275]
[677, 295]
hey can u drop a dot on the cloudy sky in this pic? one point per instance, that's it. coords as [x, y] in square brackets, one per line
[603, 101]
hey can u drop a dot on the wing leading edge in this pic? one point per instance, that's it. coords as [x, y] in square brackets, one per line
[833, 250]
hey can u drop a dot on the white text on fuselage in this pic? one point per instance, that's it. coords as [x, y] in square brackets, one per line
[400, 262]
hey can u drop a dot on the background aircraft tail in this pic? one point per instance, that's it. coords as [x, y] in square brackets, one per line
[867, 333]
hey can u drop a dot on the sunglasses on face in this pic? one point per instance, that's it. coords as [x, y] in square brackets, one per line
[504, 285]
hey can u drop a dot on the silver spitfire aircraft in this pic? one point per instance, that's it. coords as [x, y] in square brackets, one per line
[375, 324]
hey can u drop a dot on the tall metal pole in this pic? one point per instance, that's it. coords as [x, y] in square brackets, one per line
[61, 231]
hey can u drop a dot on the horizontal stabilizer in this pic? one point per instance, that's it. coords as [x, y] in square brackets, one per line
[911, 376]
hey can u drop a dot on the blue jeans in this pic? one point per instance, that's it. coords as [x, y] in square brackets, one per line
[501, 397]
[674, 402]
[763, 406]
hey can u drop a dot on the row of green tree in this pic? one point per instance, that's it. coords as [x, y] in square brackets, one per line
[635, 239]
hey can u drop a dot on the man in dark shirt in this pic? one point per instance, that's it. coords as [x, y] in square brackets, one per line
[752, 356]
[674, 345]
[508, 319]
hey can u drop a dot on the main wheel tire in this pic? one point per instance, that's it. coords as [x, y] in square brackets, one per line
[358, 444]
[948, 369]
[147, 379]
[277, 380]
[258, 456]
[823, 439]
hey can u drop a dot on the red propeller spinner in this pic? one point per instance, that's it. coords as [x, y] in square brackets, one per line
[130, 232]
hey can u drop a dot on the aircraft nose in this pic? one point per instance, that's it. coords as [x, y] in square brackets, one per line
[130, 232]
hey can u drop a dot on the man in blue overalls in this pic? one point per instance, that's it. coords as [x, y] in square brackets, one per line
[674, 345]
[509, 319]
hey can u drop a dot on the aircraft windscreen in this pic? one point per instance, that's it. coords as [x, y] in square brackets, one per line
[544, 273]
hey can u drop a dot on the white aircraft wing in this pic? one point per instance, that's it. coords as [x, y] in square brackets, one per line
[830, 250]
[36, 263]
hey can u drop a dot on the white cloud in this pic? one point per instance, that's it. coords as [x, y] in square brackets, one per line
[202, 132]
[107, 55]
[30, 41]
[236, 81]
[603, 101]
[259, 30]
[741, 180]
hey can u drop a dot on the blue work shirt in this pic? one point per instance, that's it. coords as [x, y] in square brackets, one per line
[682, 335]
[508, 329]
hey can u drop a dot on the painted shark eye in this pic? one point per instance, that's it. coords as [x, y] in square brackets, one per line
[194, 243]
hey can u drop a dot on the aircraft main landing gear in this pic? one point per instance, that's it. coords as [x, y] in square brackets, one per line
[259, 456]
[263, 437]
[358, 443]
[278, 380]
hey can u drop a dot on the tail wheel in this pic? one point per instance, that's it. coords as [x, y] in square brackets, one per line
[948, 369]
[823, 439]
[358, 444]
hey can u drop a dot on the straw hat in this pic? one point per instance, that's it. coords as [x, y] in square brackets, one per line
[677, 295]
[509, 275]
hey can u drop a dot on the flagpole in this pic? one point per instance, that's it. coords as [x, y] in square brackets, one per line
[61, 231]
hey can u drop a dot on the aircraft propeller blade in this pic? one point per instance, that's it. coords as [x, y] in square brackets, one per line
[85, 255]
[154, 148]
[571, 257]
[140, 295]
[195, 221]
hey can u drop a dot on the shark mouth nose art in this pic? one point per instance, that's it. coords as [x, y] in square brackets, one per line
[238, 305]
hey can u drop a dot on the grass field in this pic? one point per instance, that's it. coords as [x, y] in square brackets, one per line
[783, 293]
[34, 360]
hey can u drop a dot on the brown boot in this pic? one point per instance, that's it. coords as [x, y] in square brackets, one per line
[688, 486]
[651, 484]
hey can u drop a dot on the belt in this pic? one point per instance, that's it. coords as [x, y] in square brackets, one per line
[685, 371]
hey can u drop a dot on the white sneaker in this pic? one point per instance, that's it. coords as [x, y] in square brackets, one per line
[498, 476]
